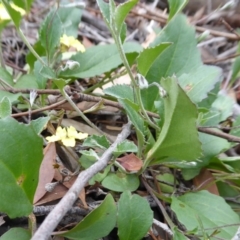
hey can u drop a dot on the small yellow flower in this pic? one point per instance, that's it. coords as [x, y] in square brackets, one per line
[67, 136]
[4, 14]
[69, 41]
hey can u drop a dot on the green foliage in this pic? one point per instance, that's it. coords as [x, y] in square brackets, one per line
[97, 224]
[123, 147]
[50, 33]
[192, 208]
[183, 60]
[20, 158]
[96, 141]
[5, 108]
[134, 217]
[16, 233]
[98, 60]
[170, 81]
[176, 6]
[148, 56]
[121, 182]
[179, 130]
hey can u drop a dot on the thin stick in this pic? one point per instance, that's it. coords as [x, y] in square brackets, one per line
[226, 136]
[55, 216]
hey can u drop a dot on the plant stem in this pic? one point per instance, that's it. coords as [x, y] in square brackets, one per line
[30, 46]
[134, 82]
[81, 114]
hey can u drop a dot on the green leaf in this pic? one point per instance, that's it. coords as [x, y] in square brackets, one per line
[104, 8]
[212, 146]
[15, 15]
[178, 235]
[123, 147]
[47, 72]
[86, 161]
[16, 233]
[20, 159]
[147, 57]
[6, 77]
[70, 18]
[5, 107]
[198, 87]
[183, 57]
[176, 6]
[24, 4]
[100, 176]
[98, 60]
[149, 96]
[122, 91]
[90, 154]
[39, 124]
[121, 13]
[211, 210]
[135, 217]
[13, 97]
[97, 224]
[26, 81]
[223, 105]
[96, 141]
[50, 33]
[121, 182]
[39, 49]
[179, 135]
[41, 80]
[132, 112]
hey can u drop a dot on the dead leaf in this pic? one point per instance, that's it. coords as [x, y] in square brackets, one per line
[46, 171]
[206, 181]
[131, 162]
[58, 192]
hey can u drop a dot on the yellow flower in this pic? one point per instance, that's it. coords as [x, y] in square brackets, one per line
[4, 14]
[69, 41]
[67, 136]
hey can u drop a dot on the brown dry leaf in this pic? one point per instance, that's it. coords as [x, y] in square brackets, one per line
[69, 183]
[131, 162]
[205, 181]
[46, 171]
[58, 192]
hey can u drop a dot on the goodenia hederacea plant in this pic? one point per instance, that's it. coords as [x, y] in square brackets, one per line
[114, 18]
[179, 136]
[20, 159]
[183, 59]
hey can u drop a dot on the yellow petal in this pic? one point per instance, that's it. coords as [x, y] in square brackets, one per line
[72, 132]
[69, 142]
[70, 41]
[76, 44]
[61, 133]
[64, 40]
[81, 136]
[53, 138]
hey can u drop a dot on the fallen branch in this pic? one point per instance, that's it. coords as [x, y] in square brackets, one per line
[55, 216]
